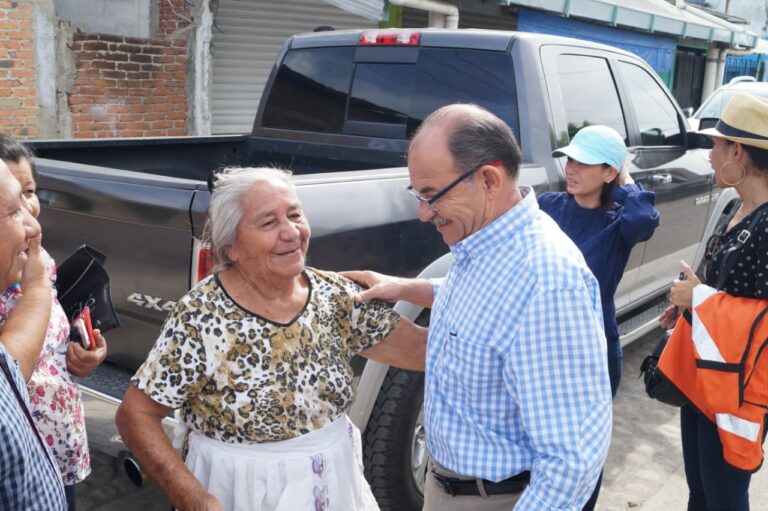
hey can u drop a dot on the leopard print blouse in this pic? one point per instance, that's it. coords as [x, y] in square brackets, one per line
[238, 377]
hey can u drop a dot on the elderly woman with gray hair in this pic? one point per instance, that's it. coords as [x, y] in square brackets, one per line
[256, 359]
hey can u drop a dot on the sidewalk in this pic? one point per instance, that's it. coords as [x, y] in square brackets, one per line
[644, 471]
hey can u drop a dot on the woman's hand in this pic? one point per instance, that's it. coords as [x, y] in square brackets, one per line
[25, 328]
[668, 318]
[681, 293]
[80, 361]
[624, 177]
[35, 271]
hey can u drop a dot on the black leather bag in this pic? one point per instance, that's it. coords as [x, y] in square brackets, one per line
[82, 280]
[657, 386]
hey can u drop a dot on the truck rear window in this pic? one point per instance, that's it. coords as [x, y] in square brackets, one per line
[325, 90]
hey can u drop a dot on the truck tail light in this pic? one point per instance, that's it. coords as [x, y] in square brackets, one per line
[389, 38]
[202, 262]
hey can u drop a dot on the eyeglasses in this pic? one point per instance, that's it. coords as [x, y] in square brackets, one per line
[430, 201]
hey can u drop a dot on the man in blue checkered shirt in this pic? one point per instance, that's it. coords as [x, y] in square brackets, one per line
[517, 405]
[29, 478]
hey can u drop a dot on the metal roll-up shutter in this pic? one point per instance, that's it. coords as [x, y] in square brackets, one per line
[247, 37]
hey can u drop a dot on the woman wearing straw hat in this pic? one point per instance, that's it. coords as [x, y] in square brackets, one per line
[605, 213]
[739, 158]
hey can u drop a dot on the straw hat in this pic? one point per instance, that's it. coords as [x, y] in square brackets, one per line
[744, 120]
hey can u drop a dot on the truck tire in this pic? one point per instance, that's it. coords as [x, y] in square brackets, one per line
[394, 448]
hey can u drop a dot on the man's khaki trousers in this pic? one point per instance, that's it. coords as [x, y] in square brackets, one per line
[437, 499]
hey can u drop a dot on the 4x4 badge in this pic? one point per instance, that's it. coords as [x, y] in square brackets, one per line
[151, 302]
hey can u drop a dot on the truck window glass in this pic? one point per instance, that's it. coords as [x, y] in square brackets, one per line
[656, 115]
[407, 93]
[380, 93]
[310, 90]
[714, 105]
[589, 93]
[448, 76]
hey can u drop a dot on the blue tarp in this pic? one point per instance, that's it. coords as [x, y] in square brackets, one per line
[658, 51]
[742, 65]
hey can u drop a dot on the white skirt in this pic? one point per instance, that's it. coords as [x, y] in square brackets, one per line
[319, 471]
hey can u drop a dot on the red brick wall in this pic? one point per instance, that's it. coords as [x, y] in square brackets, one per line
[18, 87]
[128, 87]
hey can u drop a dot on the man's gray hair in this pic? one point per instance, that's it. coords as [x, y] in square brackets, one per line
[475, 137]
[225, 211]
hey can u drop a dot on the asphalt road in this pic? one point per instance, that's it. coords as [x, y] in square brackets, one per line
[644, 471]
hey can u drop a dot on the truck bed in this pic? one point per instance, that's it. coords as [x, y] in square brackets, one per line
[194, 157]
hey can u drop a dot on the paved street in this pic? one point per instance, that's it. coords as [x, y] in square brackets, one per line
[644, 470]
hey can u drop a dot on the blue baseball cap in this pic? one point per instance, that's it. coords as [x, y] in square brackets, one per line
[593, 145]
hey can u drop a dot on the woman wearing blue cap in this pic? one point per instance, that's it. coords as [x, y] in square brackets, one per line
[605, 213]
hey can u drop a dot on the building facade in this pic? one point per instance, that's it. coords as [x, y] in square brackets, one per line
[138, 68]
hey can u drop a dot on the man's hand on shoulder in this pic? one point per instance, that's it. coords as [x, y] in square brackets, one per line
[378, 286]
[391, 289]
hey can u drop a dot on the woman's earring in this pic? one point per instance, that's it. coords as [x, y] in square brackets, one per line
[743, 173]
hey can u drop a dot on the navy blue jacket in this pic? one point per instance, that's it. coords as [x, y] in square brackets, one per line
[606, 237]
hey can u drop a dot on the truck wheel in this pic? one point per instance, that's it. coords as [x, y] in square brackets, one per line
[394, 446]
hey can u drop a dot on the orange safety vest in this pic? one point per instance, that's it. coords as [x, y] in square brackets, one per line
[719, 361]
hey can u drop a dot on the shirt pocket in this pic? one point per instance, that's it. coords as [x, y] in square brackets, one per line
[472, 367]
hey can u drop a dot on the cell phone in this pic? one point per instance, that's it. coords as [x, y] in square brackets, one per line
[84, 329]
[676, 310]
[79, 334]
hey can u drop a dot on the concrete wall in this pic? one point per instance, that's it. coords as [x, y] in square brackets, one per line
[131, 18]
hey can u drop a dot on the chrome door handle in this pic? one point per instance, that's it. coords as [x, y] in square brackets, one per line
[660, 179]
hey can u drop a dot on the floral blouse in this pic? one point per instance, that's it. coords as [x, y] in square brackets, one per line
[54, 397]
[238, 377]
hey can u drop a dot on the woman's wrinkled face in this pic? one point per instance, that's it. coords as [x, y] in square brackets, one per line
[17, 227]
[273, 235]
[22, 171]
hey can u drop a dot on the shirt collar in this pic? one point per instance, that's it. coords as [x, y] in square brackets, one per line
[514, 219]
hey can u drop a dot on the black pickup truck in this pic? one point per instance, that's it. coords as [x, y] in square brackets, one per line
[338, 110]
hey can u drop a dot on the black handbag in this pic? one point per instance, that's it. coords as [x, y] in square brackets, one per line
[82, 280]
[657, 386]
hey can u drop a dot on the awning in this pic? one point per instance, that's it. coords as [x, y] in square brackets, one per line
[656, 49]
[651, 16]
[369, 9]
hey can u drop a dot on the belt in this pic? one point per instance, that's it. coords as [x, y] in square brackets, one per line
[482, 487]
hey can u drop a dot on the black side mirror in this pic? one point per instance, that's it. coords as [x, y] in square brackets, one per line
[703, 141]
[707, 122]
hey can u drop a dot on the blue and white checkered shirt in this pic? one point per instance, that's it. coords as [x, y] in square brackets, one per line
[516, 376]
[29, 480]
